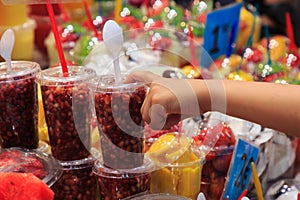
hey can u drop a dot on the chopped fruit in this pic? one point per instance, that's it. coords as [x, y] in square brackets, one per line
[23, 186]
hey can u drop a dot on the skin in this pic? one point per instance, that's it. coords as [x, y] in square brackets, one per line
[272, 105]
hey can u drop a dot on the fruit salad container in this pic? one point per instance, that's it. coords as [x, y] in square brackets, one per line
[120, 122]
[67, 102]
[178, 166]
[115, 184]
[77, 180]
[40, 164]
[220, 143]
[19, 105]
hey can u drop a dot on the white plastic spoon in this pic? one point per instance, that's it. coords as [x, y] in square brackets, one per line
[6, 46]
[113, 40]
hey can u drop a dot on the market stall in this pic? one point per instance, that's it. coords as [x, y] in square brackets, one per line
[67, 117]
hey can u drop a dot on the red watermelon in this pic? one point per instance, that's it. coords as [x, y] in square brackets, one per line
[23, 186]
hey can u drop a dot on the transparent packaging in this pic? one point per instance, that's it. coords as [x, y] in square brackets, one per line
[77, 180]
[19, 105]
[40, 164]
[119, 184]
[67, 102]
[120, 122]
[178, 166]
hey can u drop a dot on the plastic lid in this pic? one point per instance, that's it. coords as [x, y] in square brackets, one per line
[103, 171]
[54, 76]
[19, 70]
[107, 83]
[21, 160]
[82, 163]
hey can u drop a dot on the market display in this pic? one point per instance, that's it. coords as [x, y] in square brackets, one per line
[69, 129]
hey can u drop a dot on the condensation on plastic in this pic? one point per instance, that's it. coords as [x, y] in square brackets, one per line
[13, 2]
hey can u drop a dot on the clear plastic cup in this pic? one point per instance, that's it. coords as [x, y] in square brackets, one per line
[19, 105]
[215, 170]
[42, 165]
[24, 39]
[67, 102]
[182, 179]
[119, 184]
[77, 180]
[120, 122]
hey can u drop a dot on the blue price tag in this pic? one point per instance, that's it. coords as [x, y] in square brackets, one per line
[218, 29]
[241, 171]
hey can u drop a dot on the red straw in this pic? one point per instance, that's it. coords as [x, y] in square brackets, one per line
[65, 15]
[57, 39]
[87, 10]
[192, 47]
[298, 196]
[146, 3]
[243, 194]
[290, 32]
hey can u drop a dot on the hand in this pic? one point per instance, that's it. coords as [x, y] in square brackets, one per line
[168, 100]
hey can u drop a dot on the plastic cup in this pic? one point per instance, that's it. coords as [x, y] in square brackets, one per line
[214, 171]
[24, 39]
[67, 103]
[119, 184]
[42, 165]
[19, 105]
[120, 122]
[77, 180]
[182, 179]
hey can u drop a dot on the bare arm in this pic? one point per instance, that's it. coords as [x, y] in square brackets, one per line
[272, 105]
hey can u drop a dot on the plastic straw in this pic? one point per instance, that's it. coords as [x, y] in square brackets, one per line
[257, 182]
[250, 39]
[57, 39]
[290, 32]
[194, 60]
[231, 39]
[89, 15]
[65, 15]
[146, 3]
[118, 7]
[243, 194]
[268, 44]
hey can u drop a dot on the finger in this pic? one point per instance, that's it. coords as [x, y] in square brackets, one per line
[141, 76]
[173, 119]
[157, 117]
[145, 109]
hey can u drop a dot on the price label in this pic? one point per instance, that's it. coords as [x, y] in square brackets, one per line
[218, 29]
[240, 171]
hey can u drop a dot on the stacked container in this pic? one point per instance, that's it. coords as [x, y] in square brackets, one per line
[123, 170]
[67, 102]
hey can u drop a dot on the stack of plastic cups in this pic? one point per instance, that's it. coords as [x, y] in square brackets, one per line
[67, 102]
[15, 18]
[123, 170]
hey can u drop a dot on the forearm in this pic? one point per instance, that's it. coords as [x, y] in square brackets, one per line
[272, 105]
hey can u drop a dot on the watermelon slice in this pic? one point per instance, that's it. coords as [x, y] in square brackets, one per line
[23, 186]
